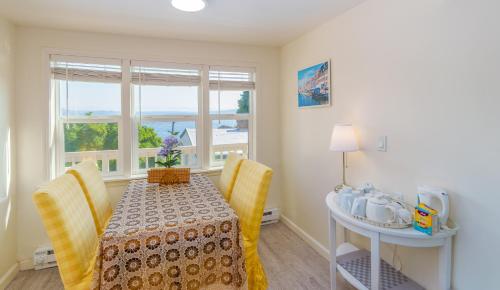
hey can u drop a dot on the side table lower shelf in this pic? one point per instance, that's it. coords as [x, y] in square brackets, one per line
[355, 266]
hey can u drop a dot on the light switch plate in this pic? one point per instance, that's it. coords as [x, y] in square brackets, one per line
[382, 143]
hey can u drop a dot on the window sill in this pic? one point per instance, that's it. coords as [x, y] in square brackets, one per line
[122, 179]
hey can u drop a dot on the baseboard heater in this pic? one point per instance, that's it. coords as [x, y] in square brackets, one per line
[271, 215]
[44, 257]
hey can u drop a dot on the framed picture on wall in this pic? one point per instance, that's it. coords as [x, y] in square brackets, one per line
[314, 87]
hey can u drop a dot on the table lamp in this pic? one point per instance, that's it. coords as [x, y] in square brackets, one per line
[343, 140]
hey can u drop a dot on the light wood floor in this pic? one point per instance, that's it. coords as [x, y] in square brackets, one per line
[289, 263]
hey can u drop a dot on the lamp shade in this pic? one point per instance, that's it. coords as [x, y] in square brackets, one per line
[343, 139]
[189, 5]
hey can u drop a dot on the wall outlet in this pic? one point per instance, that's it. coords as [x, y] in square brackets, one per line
[382, 144]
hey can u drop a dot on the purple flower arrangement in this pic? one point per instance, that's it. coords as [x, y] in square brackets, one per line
[170, 156]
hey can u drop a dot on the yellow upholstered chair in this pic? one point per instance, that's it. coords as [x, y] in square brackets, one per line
[228, 174]
[69, 225]
[248, 200]
[97, 196]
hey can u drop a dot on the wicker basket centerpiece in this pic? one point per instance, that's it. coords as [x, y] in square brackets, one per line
[168, 157]
[169, 175]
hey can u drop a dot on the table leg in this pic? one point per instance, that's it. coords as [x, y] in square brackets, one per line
[375, 257]
[445, 265]
[333, 251]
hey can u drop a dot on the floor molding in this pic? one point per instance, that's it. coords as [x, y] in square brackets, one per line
[317, 246]
[9, 276]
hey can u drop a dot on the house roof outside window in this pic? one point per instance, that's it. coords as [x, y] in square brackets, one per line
[220, 136]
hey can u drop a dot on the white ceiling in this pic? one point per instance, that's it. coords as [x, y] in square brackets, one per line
[261, 22]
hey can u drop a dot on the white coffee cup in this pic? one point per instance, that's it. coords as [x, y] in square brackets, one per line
[404, 216]
[359, 206]
[378, 209]
[346, 200]
[396, 205]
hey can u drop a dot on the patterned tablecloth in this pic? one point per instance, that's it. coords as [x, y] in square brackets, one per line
[182, 236]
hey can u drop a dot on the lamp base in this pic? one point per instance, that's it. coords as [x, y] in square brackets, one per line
[340, 186]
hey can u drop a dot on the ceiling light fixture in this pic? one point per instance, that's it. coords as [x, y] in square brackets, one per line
[189, 5]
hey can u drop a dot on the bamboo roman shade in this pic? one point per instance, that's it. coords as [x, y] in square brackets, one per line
[91, 71]
[165, 75]
[227, 78]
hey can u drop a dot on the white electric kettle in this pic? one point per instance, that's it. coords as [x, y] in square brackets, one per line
[429, 195]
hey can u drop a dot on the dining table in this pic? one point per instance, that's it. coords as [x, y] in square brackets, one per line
[177, 236]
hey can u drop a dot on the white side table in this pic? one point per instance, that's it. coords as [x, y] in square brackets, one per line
[404, 237]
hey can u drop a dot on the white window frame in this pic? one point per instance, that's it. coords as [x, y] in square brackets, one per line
[60, 121]
[127, 122]
[164, 118]
[248, 117]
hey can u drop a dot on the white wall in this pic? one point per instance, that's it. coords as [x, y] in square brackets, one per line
[426, 74]
[32, 106]
[7, 191]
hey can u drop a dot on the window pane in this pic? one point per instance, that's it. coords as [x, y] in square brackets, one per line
[151, 162]
[90, 137]
[95, 141]
[152, 134]
[228, 136]
[166, 100]
[89, 98]
[230, 102]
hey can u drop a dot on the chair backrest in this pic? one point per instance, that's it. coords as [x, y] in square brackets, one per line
[228, 174]
[69, 225]
[249, 196]
[97, 196]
